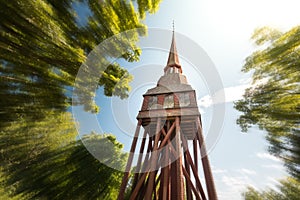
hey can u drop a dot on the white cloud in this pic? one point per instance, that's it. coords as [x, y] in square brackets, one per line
[273, 180]
[246, 81]
[230, 184]
[205, 101]
[225, 95]
[234, 182]
[235, 93]
[247, 171]
[216, 170]
[273, 183]
[201, 110]
[268, 156]
[274, 166]
[230, 94]
[219, 171]
[238, 183]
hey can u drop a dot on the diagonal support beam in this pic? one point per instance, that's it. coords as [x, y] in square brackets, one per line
[210, 185]
[194, 169]
[129, 162]
[167, 136]
[190, 183]
[138, 167]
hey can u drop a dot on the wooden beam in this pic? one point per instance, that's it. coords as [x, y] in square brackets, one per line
[210, 185]
[194, 170]
[178, 163]
[190, 183]
[138, 186]
[166, 186]
[153, 161]
[187, 169]
[138, 167]
[167, 136]
[195, 153]
[129, 162]
[146, 159]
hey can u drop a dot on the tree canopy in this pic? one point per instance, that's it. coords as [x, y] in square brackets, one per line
[273, 101]
[289, 189]
[42, 46]
[39, 169]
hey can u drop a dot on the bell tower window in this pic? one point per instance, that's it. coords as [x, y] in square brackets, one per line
[184, 99]
[169, 101]
[152, 103]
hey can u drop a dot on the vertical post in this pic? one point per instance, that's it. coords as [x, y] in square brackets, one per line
[138, 167]
[210, 185]
[177, 189]
[195, 153]
[129, 162]
[164, 178]
[146, 159]
[187, 168]
[195, 146]
[166, 185]
[153, 162]
[188, 189]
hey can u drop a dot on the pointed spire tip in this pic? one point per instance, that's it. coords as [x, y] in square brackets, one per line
[173, 60]
[173, 26]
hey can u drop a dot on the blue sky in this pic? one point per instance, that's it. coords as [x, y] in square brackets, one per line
[223, 29]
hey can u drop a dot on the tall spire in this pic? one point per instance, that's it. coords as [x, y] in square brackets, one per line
[173, 60]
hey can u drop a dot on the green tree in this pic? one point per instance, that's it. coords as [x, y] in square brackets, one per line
[67, 170]
[146, 5]
[25, 149]
[41, 49]
[6, 192]
[273, 100]
[288, 189]
[95, 179]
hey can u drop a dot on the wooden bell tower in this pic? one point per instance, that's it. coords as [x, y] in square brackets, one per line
[166, 168]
